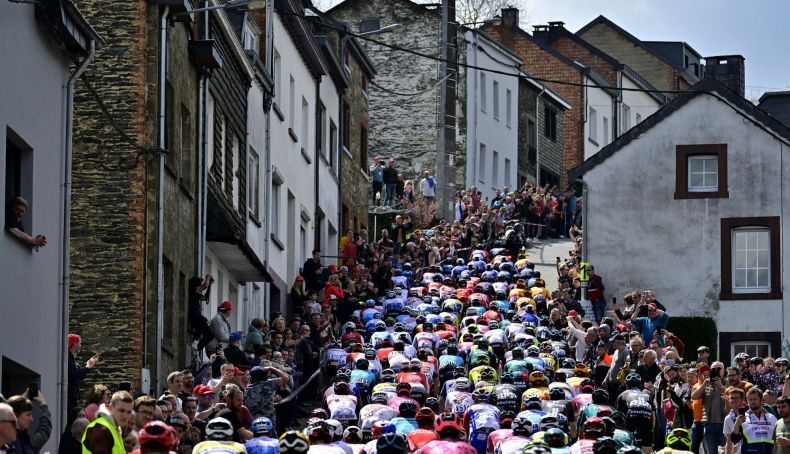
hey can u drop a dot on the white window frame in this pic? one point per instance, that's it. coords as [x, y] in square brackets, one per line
[755, 345]
[495, 94]
[748, 251]
[605, 130]
[495, 169]
[481, 163]
[507, 173]
[592, 125]
[291, 100]
[626, 118]
[274, 216]
[278, 78]
[254, 185]
[508, 107]
[705, 171]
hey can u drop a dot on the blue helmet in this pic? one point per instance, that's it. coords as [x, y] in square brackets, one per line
[370, 303]
[262, 424]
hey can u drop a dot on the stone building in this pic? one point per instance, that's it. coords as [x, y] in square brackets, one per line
[404, 127]
[540, 133]
[45, 44]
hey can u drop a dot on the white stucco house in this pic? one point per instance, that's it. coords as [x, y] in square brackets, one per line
[492, 115]
[689, 203]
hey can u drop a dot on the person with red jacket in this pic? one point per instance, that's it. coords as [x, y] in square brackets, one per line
[595, 294]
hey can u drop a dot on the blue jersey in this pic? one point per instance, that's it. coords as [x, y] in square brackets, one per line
[404, 425]
[365, 378]
[262, 445]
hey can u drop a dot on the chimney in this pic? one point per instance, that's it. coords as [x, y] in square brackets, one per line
[510, 17]
[727, 69]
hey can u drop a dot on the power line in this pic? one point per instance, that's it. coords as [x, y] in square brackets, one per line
[410, 94]
[345, 30]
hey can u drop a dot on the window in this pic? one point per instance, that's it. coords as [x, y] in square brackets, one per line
[320, 139]
[750, 258]
[508, 107]
[370, 25]
[626, 118]
[363, 148]
[495, 170]
[638, 119]
[254, 184]
[234, 175]
[332, 142]
[507, 172]
[346, 126]
[18, 174]
[291, 101]
[605, 130]
[218, 161]
[364, 82]
[550, 123]
[592, 126]
[495, 94]
[481, 164]
[751, 348]
[305, 123]
[274, 216]
[172, 139]
[250, 35]
[187, 149]
[483, 91]
[278, 85]
[701, 171]
[751, 267]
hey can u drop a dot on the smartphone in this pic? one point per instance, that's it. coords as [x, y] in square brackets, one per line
[558, 260]
[742, 410]
[614, 300]
[125, 386]
[714, 373]
[32, 390]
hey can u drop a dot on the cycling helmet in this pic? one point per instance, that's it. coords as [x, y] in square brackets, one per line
[353, 435]
[160, 433]
[481, 394]
[362, 363]
[633, 378]
[336, 428]
[742, 356]
[533, 350]
[559, 354]
[600, 397]
[549, 421]
[379, 397]
[463, 385]
[755, 360]
[318, 427]
[536, 377]
[507, 377]
[532, 403]
[319, 413]
[782, 362]
[521, 425]
[487, 375]
[425, 414]
[219, 429]
[392, 443]
[605, 445]
[482, 360]
[370, 303]
[261, 425]
[448, 421]
[629, 449]
[432, 403]
[679, 439]
[293, 442]
[408, 407]
[593, 427]
[581, 370]
[380, 428]
[388, 374]
[604, 412]
[557, 394]
[536, 448]
[555, 438]
[568, 363]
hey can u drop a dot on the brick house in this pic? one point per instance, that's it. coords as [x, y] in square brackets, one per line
[541, 61]
[652, 60]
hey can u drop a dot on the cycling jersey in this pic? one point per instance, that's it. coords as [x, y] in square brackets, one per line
[507, 397]
[262, 445]
[378, 412]
[458, 402]
[495, 437]
[404, 425]
[480, 416]
[513, 445]
[583, 446]
[419, 438]
[446, 447]
[214, 447]
[334, 359]
[342, 407]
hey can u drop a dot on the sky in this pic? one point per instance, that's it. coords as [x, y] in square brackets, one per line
[756, 29]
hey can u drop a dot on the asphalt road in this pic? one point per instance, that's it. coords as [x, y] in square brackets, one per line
[544, 253]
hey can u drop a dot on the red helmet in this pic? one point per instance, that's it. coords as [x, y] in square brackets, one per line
[425, 414]
[158, 432]
[593, 427]
[448, 421]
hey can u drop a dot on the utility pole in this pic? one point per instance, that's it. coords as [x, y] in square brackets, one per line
[445, 153]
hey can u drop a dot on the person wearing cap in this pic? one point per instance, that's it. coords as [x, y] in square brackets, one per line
[233, 352]
[77, 373]
[703, 355]
[647, 326]
[220, 326]
[261, 392]
[377, 178]
[390, 181]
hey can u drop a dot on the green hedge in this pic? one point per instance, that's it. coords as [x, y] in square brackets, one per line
[694, 332]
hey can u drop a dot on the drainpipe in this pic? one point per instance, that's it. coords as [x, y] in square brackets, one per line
[203, 146]
[66, 239]
[160, 278]
[475, 94]
[318, 229]
[537, 135]
[268, 151]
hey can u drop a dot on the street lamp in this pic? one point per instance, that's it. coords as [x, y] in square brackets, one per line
[495, 21]
[231, 4]
[391, 27]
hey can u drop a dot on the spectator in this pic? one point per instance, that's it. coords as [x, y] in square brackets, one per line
[30, 443]
[647, 326]
[255, 336]
[103, 436]
[175, 384]
[13, 223]
[377, 177]
[596, 296]
[312, 270]
[390, 181]
[714, 407]
[144, 408]
[782, 429]
[298, 294]
[98, 395]
[755, 427]
[220, 326]
[260, 395]
[235, 412]
[234, 353]
[428, 186]
[68, 443]
[77, 373]
[408, 191]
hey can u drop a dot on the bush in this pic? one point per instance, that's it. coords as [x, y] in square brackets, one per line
[695, 332]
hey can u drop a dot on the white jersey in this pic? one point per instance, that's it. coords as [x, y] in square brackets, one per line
[458, 402]
[342, 407]
[327, 449]
[496, 337]
[513, 445]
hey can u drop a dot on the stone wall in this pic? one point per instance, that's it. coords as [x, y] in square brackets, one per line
[551, 151]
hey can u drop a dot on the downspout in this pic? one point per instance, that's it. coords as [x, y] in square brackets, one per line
[537, 135]
[66, 239]
[616, 108]
[475, 93]
[160, 281]
[339, 151]
[203, 145]
[268, 150]
[585, 230]
[316, 219]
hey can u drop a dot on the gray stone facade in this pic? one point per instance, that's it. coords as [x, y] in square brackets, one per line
[532, 136]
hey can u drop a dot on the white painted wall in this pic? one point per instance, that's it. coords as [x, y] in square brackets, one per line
[483, 127]
[640, 104]
[673, 246]
[287, 159]
[603, 104]
[33, 105]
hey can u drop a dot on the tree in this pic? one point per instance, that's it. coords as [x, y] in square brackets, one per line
[471, 11]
